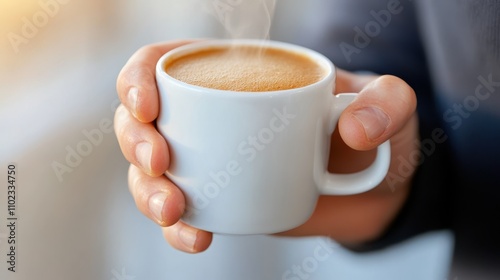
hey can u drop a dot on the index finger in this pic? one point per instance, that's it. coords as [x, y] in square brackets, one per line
[136, 83]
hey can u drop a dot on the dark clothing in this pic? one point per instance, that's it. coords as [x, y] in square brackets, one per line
[449, 52]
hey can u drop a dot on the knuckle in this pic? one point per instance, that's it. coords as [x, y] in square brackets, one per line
[398, 92]
[120, 120]
[138, 184]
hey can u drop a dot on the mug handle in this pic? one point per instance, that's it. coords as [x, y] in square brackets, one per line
[352, 183]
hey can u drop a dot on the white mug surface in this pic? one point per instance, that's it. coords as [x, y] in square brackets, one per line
[255, 163]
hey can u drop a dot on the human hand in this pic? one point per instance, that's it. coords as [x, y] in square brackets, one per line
[384, 109]
[348, 219]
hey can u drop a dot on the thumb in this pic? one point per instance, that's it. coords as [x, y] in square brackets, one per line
[380, 110]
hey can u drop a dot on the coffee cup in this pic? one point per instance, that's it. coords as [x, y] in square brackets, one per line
[253, 159]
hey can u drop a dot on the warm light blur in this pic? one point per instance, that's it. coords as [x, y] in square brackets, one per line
[30, 24]
[38, 35]
[11, 14]
[11, 11]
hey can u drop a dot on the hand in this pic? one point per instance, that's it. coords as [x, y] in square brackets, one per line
[384, 109]
[147, 151]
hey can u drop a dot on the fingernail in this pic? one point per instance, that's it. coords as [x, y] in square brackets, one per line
[143, 154]
[132, 99]
[374, 121]
[188, 236]
[156, 203]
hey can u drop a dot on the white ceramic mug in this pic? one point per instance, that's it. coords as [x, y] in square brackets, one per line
[252, 163]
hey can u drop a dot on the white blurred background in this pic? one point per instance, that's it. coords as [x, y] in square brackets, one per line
[58, 86]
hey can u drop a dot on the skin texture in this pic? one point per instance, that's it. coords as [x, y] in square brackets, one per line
[384, 109]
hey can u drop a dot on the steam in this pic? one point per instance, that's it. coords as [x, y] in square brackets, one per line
[244, 19]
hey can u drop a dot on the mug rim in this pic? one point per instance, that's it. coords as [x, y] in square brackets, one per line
[316, 57]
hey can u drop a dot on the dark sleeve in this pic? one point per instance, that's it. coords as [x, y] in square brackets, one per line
[397, 50]
[428, 205]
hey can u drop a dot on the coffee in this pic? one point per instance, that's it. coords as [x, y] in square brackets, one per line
[245, 68]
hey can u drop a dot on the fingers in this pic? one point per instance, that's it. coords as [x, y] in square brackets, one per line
[161, 201]
[383, 107]
[136, 83]
[141, 144]
[156, 197]
[186, 238]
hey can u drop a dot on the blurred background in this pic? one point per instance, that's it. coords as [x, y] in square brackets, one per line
[76, 219]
